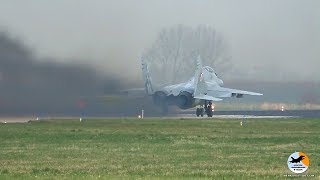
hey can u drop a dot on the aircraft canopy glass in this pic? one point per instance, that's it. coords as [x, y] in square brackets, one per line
[209, 69]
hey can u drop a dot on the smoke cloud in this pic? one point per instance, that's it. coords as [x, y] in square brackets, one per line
[29, 84]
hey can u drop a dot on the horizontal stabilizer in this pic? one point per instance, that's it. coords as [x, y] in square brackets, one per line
[206, 97]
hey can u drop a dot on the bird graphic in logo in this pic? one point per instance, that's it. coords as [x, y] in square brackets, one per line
[298, 160]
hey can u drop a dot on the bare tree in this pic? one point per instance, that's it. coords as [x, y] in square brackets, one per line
[172, 56]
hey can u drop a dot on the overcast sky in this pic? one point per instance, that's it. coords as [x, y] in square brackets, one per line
[268, 39]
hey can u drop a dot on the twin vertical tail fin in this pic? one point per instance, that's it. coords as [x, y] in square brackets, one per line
[146, 78]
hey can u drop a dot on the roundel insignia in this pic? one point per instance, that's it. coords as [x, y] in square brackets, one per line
[298, 162]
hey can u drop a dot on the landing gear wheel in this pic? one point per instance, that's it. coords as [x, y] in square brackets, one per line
[201, 111]
[209, 111]
[198, 112]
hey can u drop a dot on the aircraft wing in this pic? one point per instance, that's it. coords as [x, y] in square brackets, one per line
[236, 91]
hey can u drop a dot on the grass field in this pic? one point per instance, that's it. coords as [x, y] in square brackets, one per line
[157, 148]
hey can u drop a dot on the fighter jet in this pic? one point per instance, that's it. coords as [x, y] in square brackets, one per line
[201, 90]
[299, 159]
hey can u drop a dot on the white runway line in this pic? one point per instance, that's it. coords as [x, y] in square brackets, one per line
[15, 119]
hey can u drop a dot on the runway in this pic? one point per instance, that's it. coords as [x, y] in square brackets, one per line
[5, 120]
[182, 114]
[261, 114]
[233, 116]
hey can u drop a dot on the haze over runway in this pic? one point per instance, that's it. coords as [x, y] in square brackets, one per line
[268, 40]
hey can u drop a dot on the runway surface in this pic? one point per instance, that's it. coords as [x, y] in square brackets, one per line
[262, 114]
[186, 114]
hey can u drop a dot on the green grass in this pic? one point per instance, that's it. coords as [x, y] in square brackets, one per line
[157, 148]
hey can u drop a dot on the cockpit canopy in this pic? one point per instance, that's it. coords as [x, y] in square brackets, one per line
[209, 69]
[210, 75]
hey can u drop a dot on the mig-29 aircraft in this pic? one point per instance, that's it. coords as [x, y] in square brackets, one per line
[202, 89]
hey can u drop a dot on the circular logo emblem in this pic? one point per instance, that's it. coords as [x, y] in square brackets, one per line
[298, 162]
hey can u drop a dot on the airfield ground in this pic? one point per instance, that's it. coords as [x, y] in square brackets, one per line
[157, 148]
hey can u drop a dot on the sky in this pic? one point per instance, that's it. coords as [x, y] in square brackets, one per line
[269, 40]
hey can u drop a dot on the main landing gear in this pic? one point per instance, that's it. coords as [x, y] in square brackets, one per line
[207, 108]
[200, 111]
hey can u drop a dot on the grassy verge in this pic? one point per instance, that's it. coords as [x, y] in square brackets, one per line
[157, 148]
